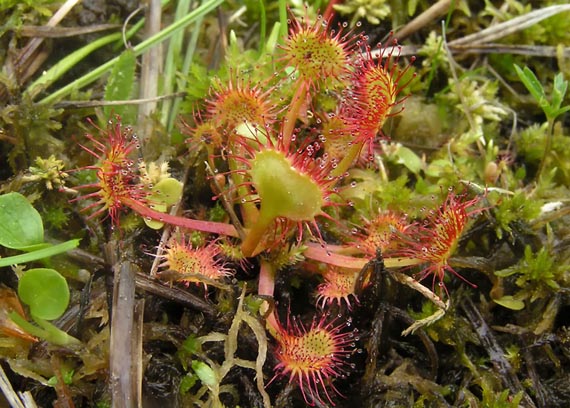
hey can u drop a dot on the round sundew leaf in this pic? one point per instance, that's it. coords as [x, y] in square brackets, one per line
[155, 224]
[21, 225]
[283, 190]
[45, 291]
[167, 191]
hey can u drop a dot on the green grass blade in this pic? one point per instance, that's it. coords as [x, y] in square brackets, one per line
[138, 50]
[39, 254]
[120, 87]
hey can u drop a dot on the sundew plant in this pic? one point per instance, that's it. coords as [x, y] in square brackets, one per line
[284, 204]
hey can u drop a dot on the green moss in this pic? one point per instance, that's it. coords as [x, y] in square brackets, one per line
[537, 274]
[55, 216]
[509, 209]
[374, 11]
[33, 126]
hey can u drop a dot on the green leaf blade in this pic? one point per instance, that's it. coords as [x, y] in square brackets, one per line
[510, 302]
[40, 253]
[559, 91]
[21, 225]
[120, 87]
[531, 83]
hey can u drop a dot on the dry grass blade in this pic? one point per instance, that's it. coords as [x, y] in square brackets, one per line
[528, 50]
[8, 391]
[29, 59]
[178, 295]
[511, 26]
[519, 49]
[63, 32]
[428, 16]
[97, 103]
[124, 359]
[28, 400]
[478, 43]
[16, 400]
[150, 71]
[150, 285]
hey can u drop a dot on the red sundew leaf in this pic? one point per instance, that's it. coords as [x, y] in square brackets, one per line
[313, 357]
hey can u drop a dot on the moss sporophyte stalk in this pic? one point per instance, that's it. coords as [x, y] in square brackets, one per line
[280, 142]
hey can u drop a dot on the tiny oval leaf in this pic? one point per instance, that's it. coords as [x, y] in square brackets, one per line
[45, 291]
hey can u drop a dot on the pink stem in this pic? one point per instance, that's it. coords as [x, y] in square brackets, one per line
[255, 234]
[266, 287]
[329, 11]
[343, 249]
[248, 209]
[318, 253]
[347, 160]
[293, 113]
[189, 223]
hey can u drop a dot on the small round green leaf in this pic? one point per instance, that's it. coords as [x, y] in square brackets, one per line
[45, 291]
[21, 225]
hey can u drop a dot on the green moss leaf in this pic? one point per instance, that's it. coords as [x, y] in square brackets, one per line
[187, 383]
[515, 208]
[205, 373]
